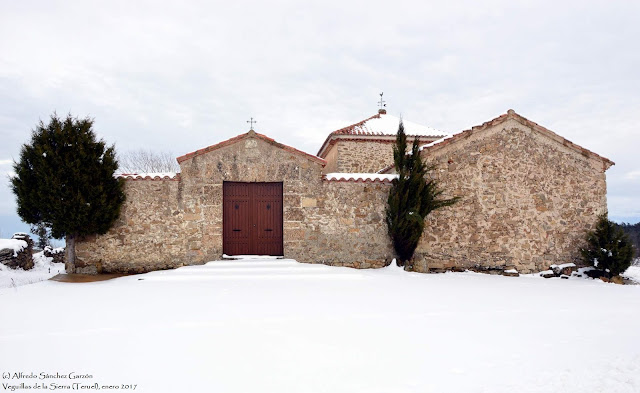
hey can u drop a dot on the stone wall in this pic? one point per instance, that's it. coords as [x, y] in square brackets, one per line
[170, 223]
[346, 226]
[56, 254]
[18, 253]
[527, 201]
[153, 232]
[332, 160]
[363, 156]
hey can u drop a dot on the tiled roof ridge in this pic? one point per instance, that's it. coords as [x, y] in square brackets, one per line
[247, 135]
[350, 130]
[357, 177]
[511, 114]
[148, 176]
[358, 180]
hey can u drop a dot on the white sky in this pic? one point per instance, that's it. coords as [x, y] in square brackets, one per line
[178, 76]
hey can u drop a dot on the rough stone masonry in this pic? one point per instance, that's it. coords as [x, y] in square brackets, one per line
[527, 198]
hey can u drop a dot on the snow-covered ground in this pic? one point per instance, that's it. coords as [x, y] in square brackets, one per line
[633, 272]
[279, 326]
[43, 269]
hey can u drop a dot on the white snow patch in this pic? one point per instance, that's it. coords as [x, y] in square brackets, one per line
[388, 124]
[56, 250]
[43, 269]
[361, 176]
[152, 175]
[563, 266]
[633, 273]
[316, 328]
[16, 245]
[511, 271]
[436, 142]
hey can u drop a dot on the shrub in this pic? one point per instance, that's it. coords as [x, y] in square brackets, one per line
[413, 195]
[608, 248]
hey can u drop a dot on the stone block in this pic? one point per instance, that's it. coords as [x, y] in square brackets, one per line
[293, 214]
[291, 200]
[309, 202]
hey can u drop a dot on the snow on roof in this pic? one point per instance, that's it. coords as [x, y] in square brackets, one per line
[437, 141]
[15, 245]
[381, 125]
[150, 176]
[563, 266]
[371, 177]
[384, 124]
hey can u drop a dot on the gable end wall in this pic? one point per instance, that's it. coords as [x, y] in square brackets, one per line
[167, 224]
[362, 156]
[526, 202]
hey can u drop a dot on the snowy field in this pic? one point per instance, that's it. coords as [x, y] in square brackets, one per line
[280, 326]
[43, 269]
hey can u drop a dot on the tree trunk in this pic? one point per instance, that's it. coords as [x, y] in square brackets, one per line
[70, 254]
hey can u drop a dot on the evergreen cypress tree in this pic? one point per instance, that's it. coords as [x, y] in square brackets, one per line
[608, 248]
[65, 179]
[413, 195]
[40, 229]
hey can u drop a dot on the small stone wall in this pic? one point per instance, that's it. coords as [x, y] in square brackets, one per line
[21, 258]
[527, 202]
[345, 226]
[152, 233]
[363, 156]
[57, 254]
[167, 223]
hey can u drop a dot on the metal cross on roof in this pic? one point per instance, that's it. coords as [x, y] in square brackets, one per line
[382, 102]
[251, 122]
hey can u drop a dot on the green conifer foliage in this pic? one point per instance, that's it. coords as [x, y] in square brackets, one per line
[413, 195]
[608, 248]
[44, 235]
[65, 178]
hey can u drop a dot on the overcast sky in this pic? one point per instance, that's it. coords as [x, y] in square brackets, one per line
[179, 76]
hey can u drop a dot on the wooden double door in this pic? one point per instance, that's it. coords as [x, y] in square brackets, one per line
[252, 218]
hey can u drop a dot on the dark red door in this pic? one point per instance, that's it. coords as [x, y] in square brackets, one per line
[252, 218]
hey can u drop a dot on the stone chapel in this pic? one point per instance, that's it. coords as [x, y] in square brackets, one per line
[527, 197]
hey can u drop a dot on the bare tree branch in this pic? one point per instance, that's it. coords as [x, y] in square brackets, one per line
[147, 161]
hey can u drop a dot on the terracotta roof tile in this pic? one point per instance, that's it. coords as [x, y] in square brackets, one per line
[511, 114]
[149, 176]
[363, 129]
[359, 177]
